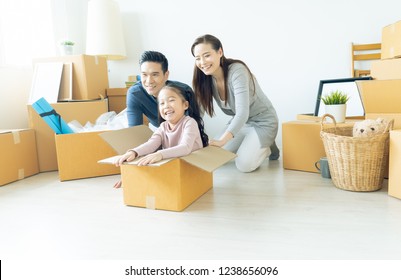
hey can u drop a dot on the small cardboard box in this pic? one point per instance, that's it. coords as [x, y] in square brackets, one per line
[302, 144]
[89, 75]
[382, 98]
[391, 44]
[83, 112]
[117, 99]
[394, 178]
[18, 155]
[170, 184]
[386, 69]
[78, 154]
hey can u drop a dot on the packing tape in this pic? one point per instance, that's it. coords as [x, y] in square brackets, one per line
[16, 136]
[96, 60]
[150, 202]
[21, 174]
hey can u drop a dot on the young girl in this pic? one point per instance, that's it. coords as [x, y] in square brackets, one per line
[181, 130]
[253, 128]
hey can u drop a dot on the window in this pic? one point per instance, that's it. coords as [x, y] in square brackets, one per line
[26, 31]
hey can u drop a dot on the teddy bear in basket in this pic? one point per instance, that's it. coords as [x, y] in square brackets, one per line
[369, 127]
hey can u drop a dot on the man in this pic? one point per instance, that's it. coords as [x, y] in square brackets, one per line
[142, 97]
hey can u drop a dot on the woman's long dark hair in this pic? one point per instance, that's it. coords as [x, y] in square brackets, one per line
[192, 111]
[203, 84]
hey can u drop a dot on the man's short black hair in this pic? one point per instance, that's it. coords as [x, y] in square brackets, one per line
[153, 56]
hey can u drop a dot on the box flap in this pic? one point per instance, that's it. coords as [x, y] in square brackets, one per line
[209, 158]
[380, 96]
[127, 138]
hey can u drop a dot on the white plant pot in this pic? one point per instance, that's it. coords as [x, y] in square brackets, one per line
[66, 50]
[338, 111]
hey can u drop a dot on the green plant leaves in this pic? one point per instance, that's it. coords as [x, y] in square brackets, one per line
[335, 97]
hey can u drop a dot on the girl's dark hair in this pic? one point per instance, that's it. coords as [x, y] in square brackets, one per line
[203, 84]
[192, 111]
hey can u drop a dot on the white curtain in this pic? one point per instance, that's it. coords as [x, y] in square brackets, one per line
[26, 31]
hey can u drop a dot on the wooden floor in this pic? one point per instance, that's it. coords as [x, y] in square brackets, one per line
[271, 213]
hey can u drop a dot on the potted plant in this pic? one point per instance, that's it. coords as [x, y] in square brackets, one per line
[66, 47]
[336, 105]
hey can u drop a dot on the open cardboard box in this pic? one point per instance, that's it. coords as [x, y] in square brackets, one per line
[171, 184]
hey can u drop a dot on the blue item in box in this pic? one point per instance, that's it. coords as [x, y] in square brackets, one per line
[51, 117]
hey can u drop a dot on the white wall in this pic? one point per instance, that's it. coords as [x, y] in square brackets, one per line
[290, 45]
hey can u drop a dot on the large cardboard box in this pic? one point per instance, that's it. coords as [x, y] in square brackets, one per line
[89, 76]
[302, 144]
[78, 154]
[83, 112]
[391, 41]
[117, 99]
[18, 157]
[394, 179]
[170, 184]
[382, 98]
[386, 69]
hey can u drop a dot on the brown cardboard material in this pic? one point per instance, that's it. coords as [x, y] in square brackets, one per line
[83, 112]
[18, 158]
[394, 178]
[117, 99]
[386, 69]
[89, 75]
[382, 98]
[391, 44]
[78, 154]
[168, 185]
[302, 145]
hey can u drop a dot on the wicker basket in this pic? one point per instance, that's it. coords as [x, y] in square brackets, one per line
[356, 164]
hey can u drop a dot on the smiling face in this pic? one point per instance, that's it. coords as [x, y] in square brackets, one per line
[152, 77]
[172, 105]
[206, 58]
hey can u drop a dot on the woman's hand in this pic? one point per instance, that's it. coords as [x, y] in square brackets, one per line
[128, 156]
[227, 136]
[150, 158]
[217, 143]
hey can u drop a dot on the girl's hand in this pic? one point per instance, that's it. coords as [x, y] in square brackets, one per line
[128, 156]
[150, 158]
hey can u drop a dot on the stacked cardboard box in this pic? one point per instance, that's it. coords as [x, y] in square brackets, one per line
[18, 155]
[382, 97]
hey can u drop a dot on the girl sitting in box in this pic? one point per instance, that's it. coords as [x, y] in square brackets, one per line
[181, 130]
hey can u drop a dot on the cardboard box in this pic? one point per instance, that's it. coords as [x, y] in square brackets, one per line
[89, 76]
[387, 69]
[382, 98]
[312, 117]
[302, 144]
[394, 179]
[78, 154]
[170, 184]
[391, 42]
[18, 155]
[117, 99]
[83, 112]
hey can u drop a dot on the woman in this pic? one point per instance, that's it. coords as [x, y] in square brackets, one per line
[253, 128]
